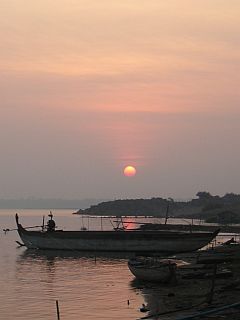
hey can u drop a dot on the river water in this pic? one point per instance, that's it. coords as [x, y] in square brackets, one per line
[86, 286]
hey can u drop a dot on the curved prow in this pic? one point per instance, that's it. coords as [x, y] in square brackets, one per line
[17, 219]
[19, 226]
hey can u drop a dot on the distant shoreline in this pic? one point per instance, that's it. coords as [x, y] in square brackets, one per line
[34, 203]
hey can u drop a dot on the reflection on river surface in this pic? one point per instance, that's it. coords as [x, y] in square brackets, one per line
[102, 281]
[68, 254]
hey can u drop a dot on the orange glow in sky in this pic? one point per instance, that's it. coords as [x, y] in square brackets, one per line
[129, 171]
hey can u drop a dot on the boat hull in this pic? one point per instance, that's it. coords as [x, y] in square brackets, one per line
[150, 272]
[127, 241]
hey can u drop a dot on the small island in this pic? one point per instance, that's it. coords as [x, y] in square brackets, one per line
[205, 207]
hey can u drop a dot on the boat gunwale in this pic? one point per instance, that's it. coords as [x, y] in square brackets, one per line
[168, 234]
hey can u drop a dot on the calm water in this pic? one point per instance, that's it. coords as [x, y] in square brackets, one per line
[87, 287]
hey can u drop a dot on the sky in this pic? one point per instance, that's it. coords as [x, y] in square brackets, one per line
[89, 87]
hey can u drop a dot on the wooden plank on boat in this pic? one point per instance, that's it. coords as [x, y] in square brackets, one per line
[211, 311]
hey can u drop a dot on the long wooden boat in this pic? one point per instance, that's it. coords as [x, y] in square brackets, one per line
[144, 242]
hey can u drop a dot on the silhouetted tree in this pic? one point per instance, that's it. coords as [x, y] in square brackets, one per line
[203, 195]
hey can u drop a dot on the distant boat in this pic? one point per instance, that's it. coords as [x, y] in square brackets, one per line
[135, 240]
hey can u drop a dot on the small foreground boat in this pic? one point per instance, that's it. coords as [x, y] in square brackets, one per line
[147, 269]
[135, 240]
[196, 265]
[170, 270]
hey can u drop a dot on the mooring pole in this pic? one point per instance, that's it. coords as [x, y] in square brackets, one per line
[58, 313]
[210, 298]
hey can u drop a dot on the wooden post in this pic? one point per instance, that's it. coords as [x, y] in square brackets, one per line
[166, 216]
[58, 313]
[43, 223]
[210, 298]
[83, 223]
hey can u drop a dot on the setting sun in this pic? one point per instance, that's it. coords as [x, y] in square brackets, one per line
[129, 171]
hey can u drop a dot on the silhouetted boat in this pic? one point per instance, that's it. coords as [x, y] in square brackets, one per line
[140, 241]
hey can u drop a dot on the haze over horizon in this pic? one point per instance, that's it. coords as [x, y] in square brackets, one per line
[90, 87]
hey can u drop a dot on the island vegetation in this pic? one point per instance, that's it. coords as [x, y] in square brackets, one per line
[208, 208]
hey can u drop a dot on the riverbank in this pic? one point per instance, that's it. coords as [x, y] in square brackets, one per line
[191, 296]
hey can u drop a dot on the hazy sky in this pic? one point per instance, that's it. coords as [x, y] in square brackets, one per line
[88, 87]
